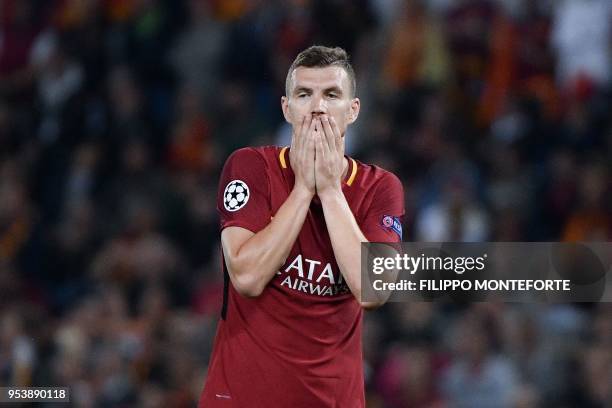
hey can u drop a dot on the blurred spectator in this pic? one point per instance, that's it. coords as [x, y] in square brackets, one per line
[409, 377]
[455, 214]
[591, 221]
[20, 24]
[139, 254]
[581, 38]
[478, 377]
[197, 53]
[190, 148]
[17, 350]
[416, 53]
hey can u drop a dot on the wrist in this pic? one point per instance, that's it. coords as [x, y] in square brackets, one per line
[330, 193]
[302, 192]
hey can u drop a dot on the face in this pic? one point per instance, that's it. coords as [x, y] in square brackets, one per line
[316, 91]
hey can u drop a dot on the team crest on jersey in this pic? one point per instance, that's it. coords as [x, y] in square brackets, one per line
[236, 195]
[392, 223]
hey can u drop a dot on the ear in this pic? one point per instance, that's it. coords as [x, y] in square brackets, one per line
[285, 108]
[354, 112]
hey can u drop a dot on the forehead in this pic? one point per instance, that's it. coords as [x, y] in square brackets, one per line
[320, 78]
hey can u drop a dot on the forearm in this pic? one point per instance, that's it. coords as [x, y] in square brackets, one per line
[256, 262]
[346, 238]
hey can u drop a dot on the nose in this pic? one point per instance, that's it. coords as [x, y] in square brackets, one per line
[319, 106]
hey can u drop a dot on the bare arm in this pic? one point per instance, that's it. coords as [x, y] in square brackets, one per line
[345, 234]
[346, 238]
[254, 258]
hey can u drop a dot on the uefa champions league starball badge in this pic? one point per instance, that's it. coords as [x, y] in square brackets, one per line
[236, 195]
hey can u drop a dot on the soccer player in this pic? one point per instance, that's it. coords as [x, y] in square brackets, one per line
[292, 221]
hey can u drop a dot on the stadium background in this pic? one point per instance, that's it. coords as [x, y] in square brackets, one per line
[115, 117]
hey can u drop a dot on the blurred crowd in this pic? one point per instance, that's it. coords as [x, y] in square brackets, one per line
[117, 115]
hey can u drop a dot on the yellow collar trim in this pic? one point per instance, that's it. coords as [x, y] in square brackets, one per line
[281, 157]
[349, 182]
[353, 172]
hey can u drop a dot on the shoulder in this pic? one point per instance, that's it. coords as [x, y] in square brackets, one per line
[373, 176]
[254, 155]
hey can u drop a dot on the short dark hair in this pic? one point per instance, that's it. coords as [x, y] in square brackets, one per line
[319, 56]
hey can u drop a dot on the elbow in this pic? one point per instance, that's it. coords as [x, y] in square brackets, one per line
[375, 300]
[248, 291]
[371, 305]
[246, 285]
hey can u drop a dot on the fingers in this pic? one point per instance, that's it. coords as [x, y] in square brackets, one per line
[335, 138]
[308, 150]
[311, 129]
[310, 153]
[302, 153]
[320, 157]
[306, 125]
[296, 135]
[309, 139]
[300, 138]
[337, 135]
[329, 134]
[304, 131]
[320, 143]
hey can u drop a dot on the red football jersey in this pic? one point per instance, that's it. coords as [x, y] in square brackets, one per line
[299, 343]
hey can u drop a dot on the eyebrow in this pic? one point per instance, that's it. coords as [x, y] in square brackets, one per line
[302, 89]
[333, 89]
[326, 90]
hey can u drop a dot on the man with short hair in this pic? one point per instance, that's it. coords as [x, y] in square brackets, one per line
[293, 220]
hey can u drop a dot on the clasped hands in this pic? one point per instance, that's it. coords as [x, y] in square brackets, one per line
[317, 155]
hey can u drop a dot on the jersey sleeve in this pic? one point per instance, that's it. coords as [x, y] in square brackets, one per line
[383, 221]
[243, 199]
